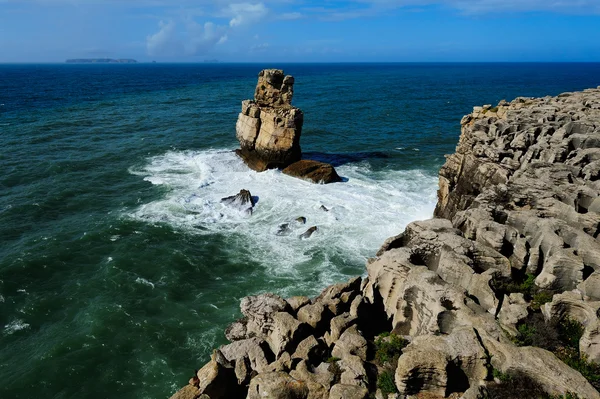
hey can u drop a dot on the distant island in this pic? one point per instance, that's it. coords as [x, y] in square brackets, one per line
[101, 61]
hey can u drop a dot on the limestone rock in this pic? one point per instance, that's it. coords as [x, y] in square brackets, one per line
[296, 302]
[285, 333]
[269, 128]
[276, 385]
[255, 350]
[351, 342]
[309, 349]
[345, 391]
[274, 88]
[259, 311]
[218, 381]
[187, 392]
[314, 171]
[442, 365]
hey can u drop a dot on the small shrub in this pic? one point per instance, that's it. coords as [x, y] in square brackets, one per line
[386, 383]
[570, 332]
[335, 369]
[526, 335]
[502, 377]
[540, 298]
[390, 349]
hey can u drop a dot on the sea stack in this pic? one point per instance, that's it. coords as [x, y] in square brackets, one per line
[269, 127]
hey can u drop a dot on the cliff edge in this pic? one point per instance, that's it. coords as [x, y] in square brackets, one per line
[497, 297]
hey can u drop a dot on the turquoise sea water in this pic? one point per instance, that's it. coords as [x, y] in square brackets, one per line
[119, 267]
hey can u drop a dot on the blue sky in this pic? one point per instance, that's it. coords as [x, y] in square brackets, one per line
[300, 31]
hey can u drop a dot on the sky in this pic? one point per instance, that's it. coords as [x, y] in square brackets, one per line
[301, 30]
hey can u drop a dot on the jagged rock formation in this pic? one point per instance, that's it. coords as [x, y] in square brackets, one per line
[242, 201]
[314, 171]
[269, 128]
[496, 298]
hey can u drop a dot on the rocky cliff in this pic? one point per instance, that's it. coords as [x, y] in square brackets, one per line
[497, 297]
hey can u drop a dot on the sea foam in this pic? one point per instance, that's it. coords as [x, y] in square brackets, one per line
[362, 211]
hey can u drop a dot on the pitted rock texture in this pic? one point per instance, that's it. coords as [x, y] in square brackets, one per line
[269, 127]
[516, 244]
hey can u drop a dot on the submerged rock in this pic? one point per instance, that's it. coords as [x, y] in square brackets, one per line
[308, 232]
[314, 171]
[284, 229]
[243, 201]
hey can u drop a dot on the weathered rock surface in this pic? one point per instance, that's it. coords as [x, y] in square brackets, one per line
[314, 171]
[517, 239]
[269, 130]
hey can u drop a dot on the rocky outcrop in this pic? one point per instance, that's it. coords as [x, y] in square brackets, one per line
[242, 201]
[498, 297]
[314, 171]
[269, 130]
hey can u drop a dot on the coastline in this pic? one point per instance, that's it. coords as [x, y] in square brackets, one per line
[456, 290]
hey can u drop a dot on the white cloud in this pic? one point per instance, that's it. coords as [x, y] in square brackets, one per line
[245, 13]
[164, 42]
[188, 38]
[185, 36]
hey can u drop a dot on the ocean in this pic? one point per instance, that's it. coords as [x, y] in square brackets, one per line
[119, 266]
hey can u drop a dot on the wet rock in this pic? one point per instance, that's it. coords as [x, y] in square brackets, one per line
[242, 201]
[324, 208]
[284, 229]
[313, 171]
[308, 232]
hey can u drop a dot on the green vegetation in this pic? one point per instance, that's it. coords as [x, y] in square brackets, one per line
[540, 298]
[526, 335]
[562, 338]
[527, 287]
[502, 377]
[386, 383]
[388, 348]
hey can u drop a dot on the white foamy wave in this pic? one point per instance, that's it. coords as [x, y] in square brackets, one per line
[143, 281]
[363, 211]
[14, 326]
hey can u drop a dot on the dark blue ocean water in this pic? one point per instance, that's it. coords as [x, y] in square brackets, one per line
[120, 269]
